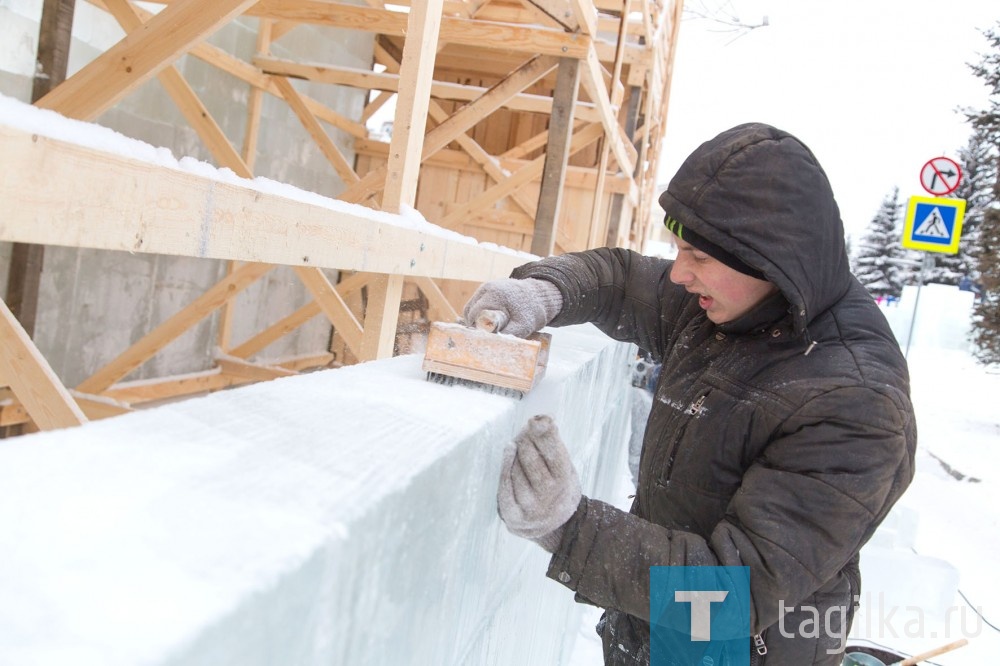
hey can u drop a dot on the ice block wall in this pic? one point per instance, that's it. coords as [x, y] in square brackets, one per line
[341, 517]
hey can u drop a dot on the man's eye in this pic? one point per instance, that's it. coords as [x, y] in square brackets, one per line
[700, 258]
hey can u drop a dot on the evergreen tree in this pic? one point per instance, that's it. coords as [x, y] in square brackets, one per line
[876, 255]
[986, 314]
[978, 160]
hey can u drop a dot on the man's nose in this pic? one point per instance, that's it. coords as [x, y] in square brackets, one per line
[679, 274]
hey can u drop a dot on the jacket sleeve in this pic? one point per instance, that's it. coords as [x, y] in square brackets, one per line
[805, 507]
[627, 295]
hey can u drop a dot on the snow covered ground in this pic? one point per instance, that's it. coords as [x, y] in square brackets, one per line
[943, 540]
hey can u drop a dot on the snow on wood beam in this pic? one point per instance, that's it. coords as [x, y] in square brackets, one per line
[340, 517]
[57, 193]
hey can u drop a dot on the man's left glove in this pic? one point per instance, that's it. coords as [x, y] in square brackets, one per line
[539, 489]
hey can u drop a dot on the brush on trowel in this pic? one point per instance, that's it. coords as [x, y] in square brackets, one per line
[480, 357]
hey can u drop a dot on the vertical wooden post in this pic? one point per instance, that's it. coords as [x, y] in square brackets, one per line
[416, 74]
[24, 275]
[556, 157]
[618, 200]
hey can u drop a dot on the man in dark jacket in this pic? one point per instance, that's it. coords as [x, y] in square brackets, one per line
[781, 432]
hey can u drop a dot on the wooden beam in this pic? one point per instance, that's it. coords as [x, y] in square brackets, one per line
[30, 377]
[597, 209]
[185, 98]
[557, 11]
[436, 298]
[525, 174]
[316, 131]
[332, 304]
[381, 314]
[237, 367]
[139, 56]
[151, 343]
[109, 202]
[255, 98]
[486, 161]
[556, 158]
[416, 71]
[462, 120]
[485, 34]
[291, 322]
[593, 81]
[389, 82]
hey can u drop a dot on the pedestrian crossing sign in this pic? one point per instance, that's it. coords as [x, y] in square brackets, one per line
[933, 224]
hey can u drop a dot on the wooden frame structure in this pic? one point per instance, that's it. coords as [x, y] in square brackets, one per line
[532, 124]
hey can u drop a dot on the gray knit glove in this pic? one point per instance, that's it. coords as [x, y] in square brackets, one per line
[525, 306]
[539, 490]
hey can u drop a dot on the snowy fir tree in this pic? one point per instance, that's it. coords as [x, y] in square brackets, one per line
[880, 248]
[986, 314]
[978, 161]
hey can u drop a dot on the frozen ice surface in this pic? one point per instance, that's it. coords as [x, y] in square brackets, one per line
[340, 517]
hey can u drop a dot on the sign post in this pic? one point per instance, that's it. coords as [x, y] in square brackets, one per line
[933, 224]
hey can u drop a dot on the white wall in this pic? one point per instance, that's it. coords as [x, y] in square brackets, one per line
[341, 517]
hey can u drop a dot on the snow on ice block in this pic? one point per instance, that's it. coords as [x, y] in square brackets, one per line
[340, 517]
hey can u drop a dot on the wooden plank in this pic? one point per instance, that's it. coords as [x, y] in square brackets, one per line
[567, 14]
[255, 100]
[597, 209]
[381, 314]
[235, 67]
[31, 378]
[185, 98]
[462, 120]
[144, 391]
[316, 131]
[237, 367]
[139, 56]
[556, 158]
[118, 203]
[416, 72]
[436, 298]
[276, 331]
[389, 82]
[296, 319]
[147, 346]
[332, 304]
[593, 81]
[484, 34]
[525, 174]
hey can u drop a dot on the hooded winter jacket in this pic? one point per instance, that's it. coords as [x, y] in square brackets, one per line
[778, 441]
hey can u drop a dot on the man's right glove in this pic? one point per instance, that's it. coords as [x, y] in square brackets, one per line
[528, 304]
[539, 490]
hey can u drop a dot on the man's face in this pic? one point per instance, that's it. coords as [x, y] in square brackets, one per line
[725, 294]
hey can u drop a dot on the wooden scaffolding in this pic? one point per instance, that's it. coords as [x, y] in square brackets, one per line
[529, 124]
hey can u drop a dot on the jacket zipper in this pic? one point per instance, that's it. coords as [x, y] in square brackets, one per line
[695, 409]
[760, 648]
